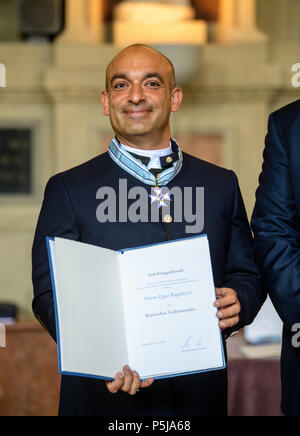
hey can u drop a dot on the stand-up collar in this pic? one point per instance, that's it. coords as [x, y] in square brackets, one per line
[137, 166]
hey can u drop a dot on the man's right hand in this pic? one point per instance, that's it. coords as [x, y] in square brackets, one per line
[130, 382]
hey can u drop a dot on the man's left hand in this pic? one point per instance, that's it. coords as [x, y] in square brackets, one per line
[228, 307]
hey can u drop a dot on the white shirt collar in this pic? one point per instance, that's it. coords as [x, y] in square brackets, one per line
[154, 155]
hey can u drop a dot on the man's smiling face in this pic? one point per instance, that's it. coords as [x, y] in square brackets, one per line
[141, 94]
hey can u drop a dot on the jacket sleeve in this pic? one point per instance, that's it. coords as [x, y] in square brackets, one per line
[277, 231]
[56, 219]
[242, 273]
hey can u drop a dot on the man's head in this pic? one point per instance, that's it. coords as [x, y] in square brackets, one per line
[140, 95]
[143, 47]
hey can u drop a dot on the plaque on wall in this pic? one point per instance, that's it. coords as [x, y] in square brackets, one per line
[15, 161]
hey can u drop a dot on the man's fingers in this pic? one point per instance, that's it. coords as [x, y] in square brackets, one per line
[136, 383]
[128, 379]
[229, 300]
[229, 322]
[229, 311]
[147, 383]
[115, 385]
[228, 307]
[130, 382]
[220, 292]
[225, 298]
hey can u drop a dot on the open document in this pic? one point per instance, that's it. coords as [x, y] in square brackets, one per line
[149, 307]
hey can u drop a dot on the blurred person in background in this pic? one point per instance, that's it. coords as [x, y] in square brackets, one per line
[276, 227]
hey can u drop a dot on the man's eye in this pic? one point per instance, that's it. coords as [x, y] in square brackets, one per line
[153, 84]
[119, 85]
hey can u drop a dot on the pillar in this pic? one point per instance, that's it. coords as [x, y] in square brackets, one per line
[237, 22]
[84, 21]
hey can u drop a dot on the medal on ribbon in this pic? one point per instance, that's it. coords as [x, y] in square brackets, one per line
[160, 195]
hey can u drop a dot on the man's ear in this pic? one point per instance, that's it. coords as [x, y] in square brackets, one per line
[105, 103]
[176, 98]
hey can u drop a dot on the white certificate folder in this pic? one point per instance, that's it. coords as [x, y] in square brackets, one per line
[149, 307]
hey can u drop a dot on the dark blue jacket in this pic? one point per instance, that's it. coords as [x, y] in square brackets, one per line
[69, 211]
[276, 225]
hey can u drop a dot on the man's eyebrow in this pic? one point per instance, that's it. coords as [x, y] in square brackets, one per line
[118, 76]
[153, 75]
[147, 76]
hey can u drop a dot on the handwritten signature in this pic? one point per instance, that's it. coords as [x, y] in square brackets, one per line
[192, 343]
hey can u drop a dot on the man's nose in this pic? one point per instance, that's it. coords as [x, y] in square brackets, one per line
[136, 94]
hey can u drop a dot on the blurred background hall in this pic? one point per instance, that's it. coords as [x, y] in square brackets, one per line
[236, 60]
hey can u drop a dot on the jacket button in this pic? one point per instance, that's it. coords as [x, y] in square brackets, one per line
[169, 159]
[167, 219]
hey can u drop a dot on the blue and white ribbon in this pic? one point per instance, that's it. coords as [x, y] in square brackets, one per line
[132, 166]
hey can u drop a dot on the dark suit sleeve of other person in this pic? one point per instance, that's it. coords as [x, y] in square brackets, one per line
[242, 274]
[56, 219]
[275, 221]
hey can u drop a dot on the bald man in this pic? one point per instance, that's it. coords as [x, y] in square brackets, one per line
[140, 95]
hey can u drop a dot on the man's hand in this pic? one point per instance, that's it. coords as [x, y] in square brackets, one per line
[129, 382]
[228, 307]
